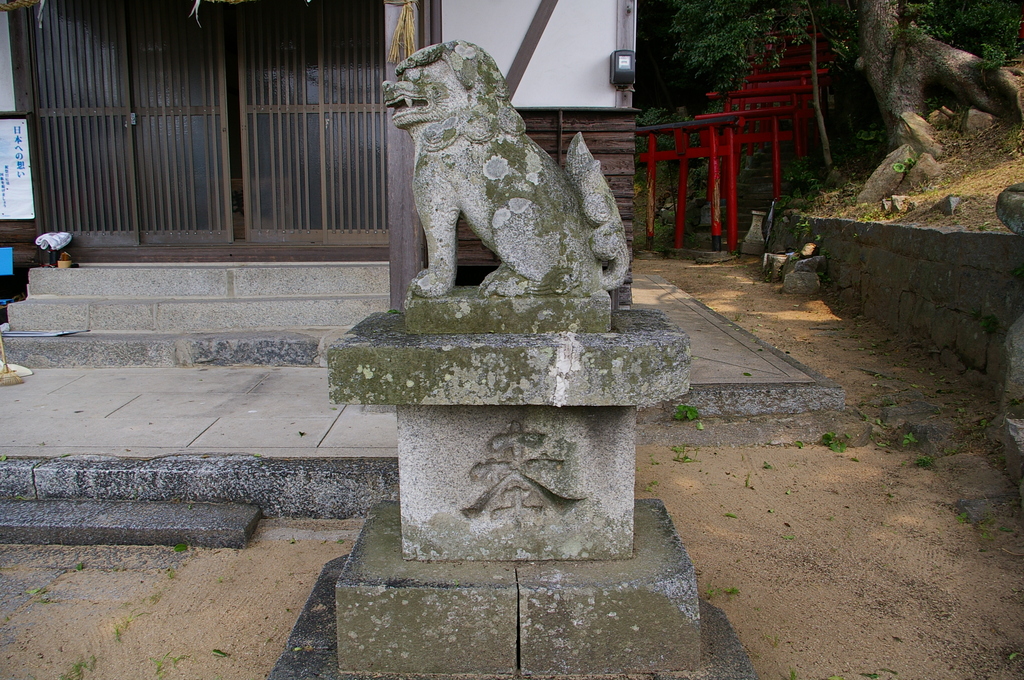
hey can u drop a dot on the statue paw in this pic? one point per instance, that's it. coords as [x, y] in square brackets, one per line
[503, 282]
[429, 285]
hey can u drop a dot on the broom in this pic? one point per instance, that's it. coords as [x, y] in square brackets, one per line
[7, 376]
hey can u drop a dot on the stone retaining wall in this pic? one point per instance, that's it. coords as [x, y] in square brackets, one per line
[955, 291]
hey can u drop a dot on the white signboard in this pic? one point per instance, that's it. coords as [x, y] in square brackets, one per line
[15, 171]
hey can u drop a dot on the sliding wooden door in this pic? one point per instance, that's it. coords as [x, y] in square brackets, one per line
[181, 134]
[88, 163]
[313, 121]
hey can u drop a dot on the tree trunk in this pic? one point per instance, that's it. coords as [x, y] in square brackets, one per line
[901, 62]
[826, 147]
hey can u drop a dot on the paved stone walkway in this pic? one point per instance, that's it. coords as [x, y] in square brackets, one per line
[285, 412]
[723, 353]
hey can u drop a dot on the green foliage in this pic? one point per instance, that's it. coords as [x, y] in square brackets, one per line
[924, 462]
[803, 176]
[834, 442]
[989, 323]
[77, 670]
[684, 412]
[715, 37]
[904, 165]
[801, 229]
[987, 28]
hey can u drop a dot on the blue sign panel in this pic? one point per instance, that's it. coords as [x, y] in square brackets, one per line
[6, 261]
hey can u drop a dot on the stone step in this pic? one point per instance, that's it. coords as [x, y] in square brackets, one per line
[230, 348]
[321, 488]
[184, 315]
[92, 522]
[227, 280]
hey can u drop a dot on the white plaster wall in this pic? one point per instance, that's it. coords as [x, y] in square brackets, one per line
[6, 73]
[569, 67]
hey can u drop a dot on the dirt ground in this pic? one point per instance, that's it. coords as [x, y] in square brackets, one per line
[829, 564]
[851, 564]
[975, 168]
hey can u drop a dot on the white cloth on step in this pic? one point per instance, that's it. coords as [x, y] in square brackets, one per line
[53, 240]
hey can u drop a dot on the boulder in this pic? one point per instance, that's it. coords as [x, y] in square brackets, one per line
[801, 283]
[933, 437]
[1013, 447]
[924, 171]
[816, 263]
[916, 131]
[1010, 208]
[772, 264]
[941, 118]
[947, 205]
[977, 121]
[835, 178]
[915, 411]
[885, 179]
[1013, 373]
[901, 203]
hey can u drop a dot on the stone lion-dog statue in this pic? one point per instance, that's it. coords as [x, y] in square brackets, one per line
[551, 229]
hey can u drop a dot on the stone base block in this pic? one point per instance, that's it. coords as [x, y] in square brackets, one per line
[464, 311]
[613, 616]
[399, 616]
[516, 482]
[596, 618]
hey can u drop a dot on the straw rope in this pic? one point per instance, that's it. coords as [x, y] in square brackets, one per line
[403, 42]
[17, 4]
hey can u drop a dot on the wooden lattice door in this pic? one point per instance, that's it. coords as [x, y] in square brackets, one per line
[313, 121]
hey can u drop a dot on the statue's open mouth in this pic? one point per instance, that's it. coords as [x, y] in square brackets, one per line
[405, 102]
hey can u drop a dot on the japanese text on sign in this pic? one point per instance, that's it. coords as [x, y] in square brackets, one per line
[15, 171]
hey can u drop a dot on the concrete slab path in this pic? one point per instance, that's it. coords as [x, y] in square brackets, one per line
[285, 412]
[723, 353]
[151, 412]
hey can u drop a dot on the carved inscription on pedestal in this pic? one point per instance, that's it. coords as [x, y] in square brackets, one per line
[518, 477]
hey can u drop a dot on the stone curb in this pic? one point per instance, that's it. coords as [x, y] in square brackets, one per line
[323, 488]
[127, 523]
[115, 350]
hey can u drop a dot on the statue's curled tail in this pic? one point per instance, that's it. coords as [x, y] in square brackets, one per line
[608, 240]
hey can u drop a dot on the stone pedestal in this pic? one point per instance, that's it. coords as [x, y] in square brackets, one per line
[517, 524]
[514, 446]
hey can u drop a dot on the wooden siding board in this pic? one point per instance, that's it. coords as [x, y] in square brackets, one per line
[609, 136]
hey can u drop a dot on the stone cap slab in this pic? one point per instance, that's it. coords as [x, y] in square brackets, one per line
[644, 360]
[464, 311]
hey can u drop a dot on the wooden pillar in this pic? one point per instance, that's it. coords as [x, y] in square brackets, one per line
[405, 235]
[652, 181]
[715, 190]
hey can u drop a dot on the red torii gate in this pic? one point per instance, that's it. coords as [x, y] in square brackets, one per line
[721, 137]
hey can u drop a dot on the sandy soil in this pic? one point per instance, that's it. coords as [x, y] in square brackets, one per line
[133, 613]
[829, 564]
[975, 168]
